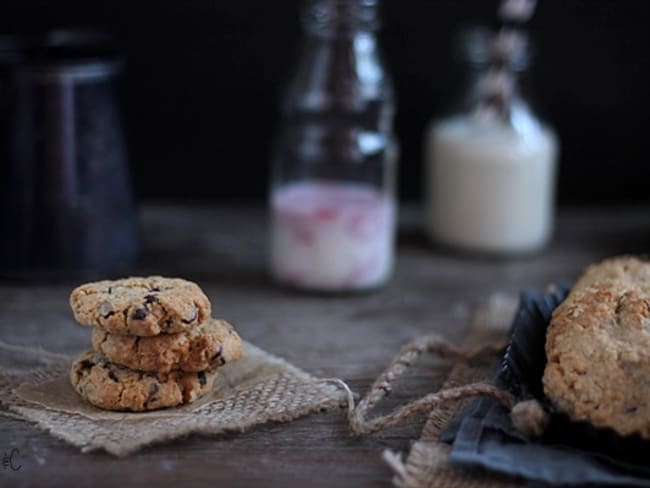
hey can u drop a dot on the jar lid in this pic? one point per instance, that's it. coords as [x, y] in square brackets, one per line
[72, 54]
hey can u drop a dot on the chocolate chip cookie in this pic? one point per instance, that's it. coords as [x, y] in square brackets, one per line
[140, 306]
[114, 387]
[206, 346]
[598, 348]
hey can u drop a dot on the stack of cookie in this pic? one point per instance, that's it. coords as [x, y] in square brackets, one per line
[155, 344]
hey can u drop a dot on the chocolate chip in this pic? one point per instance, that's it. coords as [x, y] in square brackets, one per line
[194, 317]
[106, 310]
[85, 364]
[153, 388]
[150, 299]
[219, 351]
[202, 379]
[110, 290]
[619, 306]
[112, 376]
[631, 410]
[139, 313]
[154, 288]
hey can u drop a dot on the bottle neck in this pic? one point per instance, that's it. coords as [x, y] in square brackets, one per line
[495, 99]
[492, 86]
[340, 67]
[497, 62]
[340, 18]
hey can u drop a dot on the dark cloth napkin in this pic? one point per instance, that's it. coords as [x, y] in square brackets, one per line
[569, 453]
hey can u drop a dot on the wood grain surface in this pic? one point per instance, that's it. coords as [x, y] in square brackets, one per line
[351, 337]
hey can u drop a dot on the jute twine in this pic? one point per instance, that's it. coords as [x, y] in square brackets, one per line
[409, 354]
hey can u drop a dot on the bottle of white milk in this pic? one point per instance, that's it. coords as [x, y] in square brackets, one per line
[490, 168]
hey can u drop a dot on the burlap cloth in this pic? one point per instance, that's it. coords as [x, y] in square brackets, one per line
[257, 389]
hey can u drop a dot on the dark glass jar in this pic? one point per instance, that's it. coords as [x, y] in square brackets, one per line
[67, 203]
[333, 181]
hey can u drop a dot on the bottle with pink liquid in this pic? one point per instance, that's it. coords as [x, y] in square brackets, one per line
[332, 198]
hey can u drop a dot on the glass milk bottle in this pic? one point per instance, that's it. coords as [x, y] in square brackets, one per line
[490, 167]
[332, 195]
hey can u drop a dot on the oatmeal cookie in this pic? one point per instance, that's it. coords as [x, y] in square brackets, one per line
[598, 348]
[620, 270]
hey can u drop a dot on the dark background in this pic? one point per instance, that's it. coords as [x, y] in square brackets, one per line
[204, 77]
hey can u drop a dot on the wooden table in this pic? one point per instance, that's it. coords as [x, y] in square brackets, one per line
[351, 337]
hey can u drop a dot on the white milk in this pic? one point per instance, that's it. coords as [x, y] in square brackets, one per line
[328, 236]
[490, 186]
